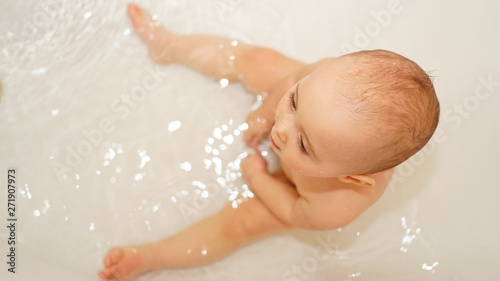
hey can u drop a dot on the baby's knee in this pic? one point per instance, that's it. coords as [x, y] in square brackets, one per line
[255, 55]
[242, 226]
[251, 219]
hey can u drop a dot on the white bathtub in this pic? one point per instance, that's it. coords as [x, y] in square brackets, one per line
[94, 169]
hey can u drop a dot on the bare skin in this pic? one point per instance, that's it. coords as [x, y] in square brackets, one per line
[310, 191]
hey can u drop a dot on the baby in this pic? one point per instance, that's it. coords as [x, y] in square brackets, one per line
[339, 127]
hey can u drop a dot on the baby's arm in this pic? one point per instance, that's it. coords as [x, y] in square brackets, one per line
[322, 204]
[278, 195]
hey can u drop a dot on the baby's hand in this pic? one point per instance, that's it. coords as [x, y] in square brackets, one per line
[253, 164]
[258, 128]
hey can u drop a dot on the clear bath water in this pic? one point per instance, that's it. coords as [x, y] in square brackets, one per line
[111, 149]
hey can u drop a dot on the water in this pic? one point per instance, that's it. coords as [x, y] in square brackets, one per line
[105, 159]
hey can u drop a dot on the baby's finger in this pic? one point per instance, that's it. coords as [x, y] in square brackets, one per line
[249, 139]
[252, 141]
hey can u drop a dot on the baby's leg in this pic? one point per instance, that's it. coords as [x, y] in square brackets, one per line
[217, 57]
[204, 242]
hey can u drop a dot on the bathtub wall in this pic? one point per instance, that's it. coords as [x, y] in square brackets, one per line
[103, 158]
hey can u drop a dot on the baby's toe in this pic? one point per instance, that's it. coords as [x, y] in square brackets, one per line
[113, 256]
[105, 274]
[140, 18]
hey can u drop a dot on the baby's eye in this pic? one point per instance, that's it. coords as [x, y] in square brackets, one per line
[292, 100]
[302, 146]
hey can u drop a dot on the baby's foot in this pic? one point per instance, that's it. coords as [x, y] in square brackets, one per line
[124, 263]
[153, 34]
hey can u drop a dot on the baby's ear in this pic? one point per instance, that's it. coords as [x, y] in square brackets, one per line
[362, 180]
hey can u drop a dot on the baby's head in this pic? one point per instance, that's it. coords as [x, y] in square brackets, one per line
[361, 113]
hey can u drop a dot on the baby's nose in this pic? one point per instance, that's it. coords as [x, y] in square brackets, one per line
[281, 131]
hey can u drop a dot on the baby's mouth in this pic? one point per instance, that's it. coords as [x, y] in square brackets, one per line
[274, 144]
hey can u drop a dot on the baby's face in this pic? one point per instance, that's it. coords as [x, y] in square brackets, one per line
[313, 133]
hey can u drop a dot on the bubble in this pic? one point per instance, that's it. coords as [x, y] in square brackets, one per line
[144, 158]
[223, 82]
[148, 225]
[186, 166]
[229, 139]
[218, 133]
[174, 126]
[156, 207]
[87, 15]
[429, 267]
[46, 206]
[110, 154]
[139, 176]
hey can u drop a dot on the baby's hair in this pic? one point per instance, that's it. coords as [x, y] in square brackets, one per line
[397, 105]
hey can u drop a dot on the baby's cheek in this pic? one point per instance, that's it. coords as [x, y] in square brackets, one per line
[292, 163]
